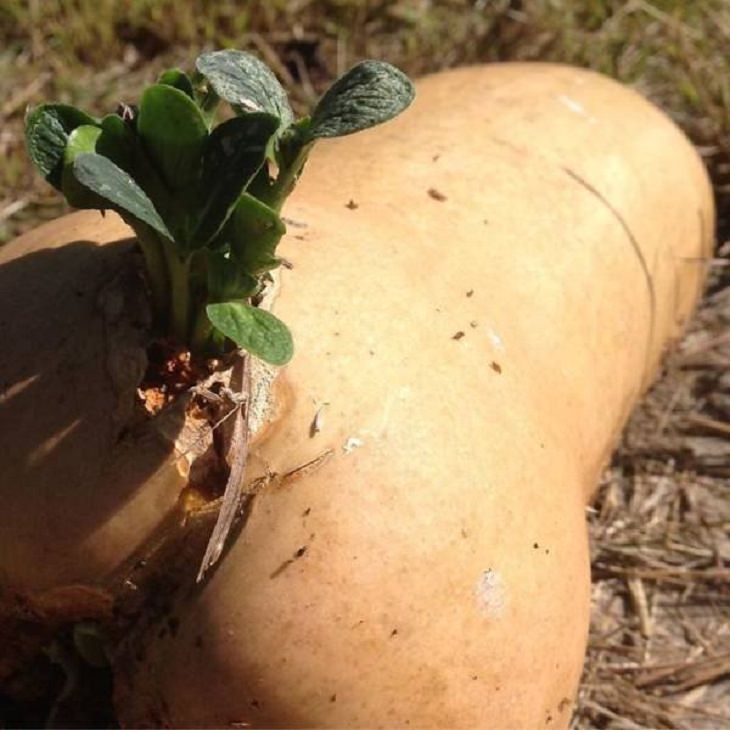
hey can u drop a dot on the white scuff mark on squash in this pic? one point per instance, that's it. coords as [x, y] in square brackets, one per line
[576, 107]
[385, 418]
[394, 398]
[351, 444]
[491, 594]
[495, 339]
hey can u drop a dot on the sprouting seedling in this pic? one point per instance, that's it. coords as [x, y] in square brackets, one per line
[203, 199]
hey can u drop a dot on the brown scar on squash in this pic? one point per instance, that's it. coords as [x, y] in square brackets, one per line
[299, 553]
[307, 468]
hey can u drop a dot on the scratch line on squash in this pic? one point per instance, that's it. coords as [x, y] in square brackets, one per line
[576, 107]
[308, 467]
[639, 256]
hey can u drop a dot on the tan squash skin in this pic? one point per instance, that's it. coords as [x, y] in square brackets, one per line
[78, 495]
[442, 570]
[553, 177]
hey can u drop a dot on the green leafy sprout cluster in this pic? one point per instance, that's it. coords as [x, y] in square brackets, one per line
[204, 199]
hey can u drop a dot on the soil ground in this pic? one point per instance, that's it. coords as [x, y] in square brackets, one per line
[659, 653]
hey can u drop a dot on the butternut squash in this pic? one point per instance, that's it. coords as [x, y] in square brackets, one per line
[479, 293]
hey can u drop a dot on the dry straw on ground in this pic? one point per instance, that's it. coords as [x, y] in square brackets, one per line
[659, 651]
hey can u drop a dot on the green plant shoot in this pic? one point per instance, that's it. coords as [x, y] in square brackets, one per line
[204, 199]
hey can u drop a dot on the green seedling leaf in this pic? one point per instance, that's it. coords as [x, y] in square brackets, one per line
[292, 151]
[82, 139]
[246, 83]
[47, 128]
[205, 202]
[117, 142]
[120, 143]
[234, 153]
[122, 146]
[368, 94]
[179, 79]
[114, 185]
[253, 232]
[254, 330]
[204, 96]
[173, 131]
[225, 281]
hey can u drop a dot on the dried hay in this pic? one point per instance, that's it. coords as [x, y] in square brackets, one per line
[659, 649]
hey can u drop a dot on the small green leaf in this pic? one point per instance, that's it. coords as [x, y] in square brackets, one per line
[122, 146]
[205, 97]
[294, 146]
[253, 232]
[234, 153]
[246, 83]
[82, 139]
[173, 131]
[117, 142]
[368, 94]
[254, 330]
[225, 281]
[177, 78]
[110, 182]
[47, 128]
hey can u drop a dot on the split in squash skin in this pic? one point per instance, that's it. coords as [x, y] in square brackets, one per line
[399, 581]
